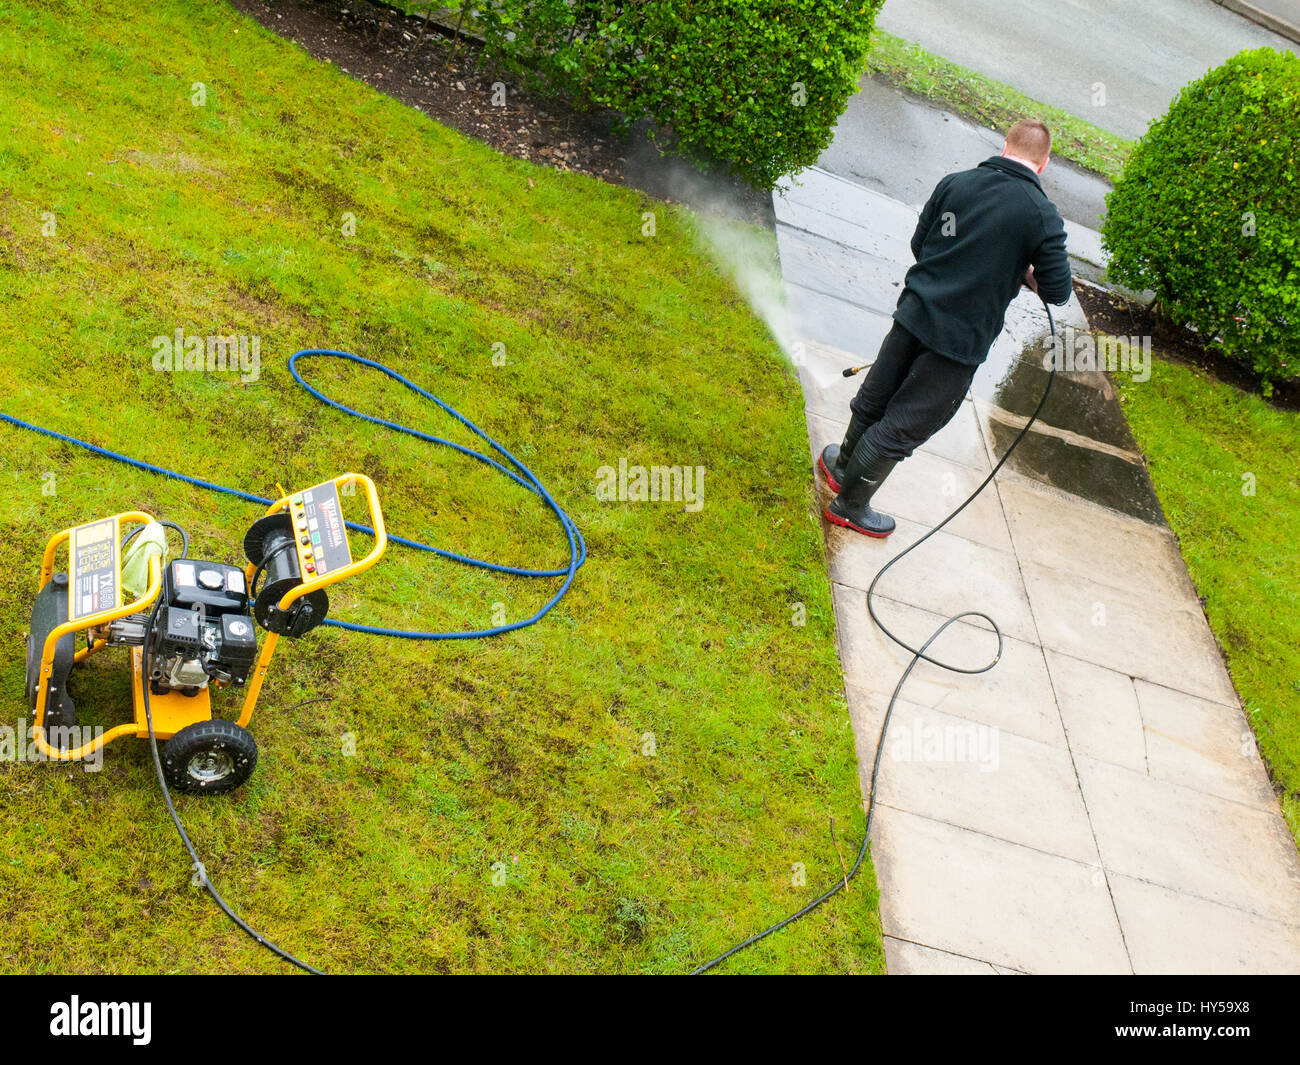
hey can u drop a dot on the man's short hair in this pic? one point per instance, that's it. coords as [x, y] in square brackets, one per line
[1031, 140]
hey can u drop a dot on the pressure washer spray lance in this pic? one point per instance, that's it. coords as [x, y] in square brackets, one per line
[918, 655]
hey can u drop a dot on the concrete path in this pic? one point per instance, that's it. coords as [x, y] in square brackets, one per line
[1057, 51]
[1096, 802]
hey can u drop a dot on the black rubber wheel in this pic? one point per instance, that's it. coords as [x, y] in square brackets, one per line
[209, 757]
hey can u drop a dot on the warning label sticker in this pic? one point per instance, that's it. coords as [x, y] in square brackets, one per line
[96, 581]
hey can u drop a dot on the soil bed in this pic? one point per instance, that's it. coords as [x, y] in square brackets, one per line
[1112, 314]
[450, 80]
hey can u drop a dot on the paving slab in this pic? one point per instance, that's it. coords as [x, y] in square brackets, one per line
[833, 269]
[1170, 933]
[1191, 842]
[1079, 538]
[1146, 632]
[978, 777]
[969, 894]
[1099, 711]
[810, 206]
[1202, 745]
[1157, 731]
[1090, 472]
[866, 712]
[1015, 697]
[833, 196]
[1015, 377]
[1085, 244]
[903, 958]
[946, 575]
[830, 335]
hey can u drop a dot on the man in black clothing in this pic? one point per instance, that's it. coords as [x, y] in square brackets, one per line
[983, 234]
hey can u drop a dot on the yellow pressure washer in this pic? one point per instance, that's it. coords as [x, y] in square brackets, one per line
[193, 626]
[190, 626]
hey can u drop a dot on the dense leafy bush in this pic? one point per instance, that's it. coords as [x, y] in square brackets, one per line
[1207, 212]
[754, 84]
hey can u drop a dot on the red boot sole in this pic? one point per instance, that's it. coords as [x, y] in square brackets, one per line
[844, 523]
[834, 484]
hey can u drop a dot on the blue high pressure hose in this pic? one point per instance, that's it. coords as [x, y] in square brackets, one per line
[525, 477]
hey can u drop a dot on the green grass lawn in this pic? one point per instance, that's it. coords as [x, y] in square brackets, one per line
[993, 103]
[1223, 463]
[523, 752]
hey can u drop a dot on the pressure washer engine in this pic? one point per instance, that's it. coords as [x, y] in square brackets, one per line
[191, 629]
[204, 630]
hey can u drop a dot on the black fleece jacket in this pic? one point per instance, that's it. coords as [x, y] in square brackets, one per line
[980, 232]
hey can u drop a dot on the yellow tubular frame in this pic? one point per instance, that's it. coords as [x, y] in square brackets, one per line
[78, 625]
[299, 590]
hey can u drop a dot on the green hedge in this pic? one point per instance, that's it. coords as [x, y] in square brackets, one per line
[724, 75]
[1207, 211]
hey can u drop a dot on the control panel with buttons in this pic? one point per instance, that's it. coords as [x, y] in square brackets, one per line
[320, 535]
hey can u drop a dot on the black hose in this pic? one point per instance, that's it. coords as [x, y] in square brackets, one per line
[198, 866]
[261, 566]
[185, 537]
[918, 655]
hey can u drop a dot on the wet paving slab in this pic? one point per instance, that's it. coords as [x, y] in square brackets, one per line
[1082, 401]
[1097, 476]
[820, 318]
[1081, 442]
[832, 211]
[853, 276]
[1082, 404]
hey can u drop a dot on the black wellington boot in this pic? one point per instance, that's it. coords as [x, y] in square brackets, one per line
[851, 508]
[835, 457]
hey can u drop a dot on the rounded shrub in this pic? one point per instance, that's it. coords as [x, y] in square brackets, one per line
[756, 85]
[1207, 211]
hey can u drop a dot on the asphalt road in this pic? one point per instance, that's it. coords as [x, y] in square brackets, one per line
[1059, 51]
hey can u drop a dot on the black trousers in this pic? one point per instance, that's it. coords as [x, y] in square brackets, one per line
[909, 394]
